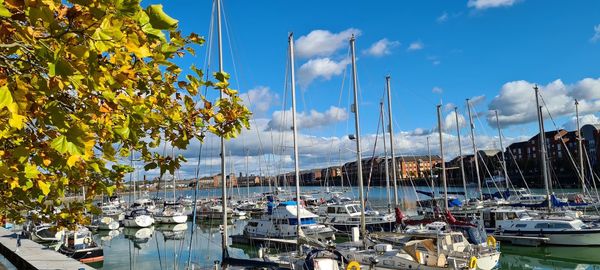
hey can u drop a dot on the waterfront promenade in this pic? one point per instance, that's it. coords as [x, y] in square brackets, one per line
[32, 255]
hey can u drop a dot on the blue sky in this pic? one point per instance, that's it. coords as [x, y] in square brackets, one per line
[494, 50]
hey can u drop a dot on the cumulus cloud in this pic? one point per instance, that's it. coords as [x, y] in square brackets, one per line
[571, 124]
[485, 4]
[260, 99]
[282, 120]
[437, 90]
[450, 121]
[382, 47]
[415, 46]
[320, 68]
[323, 42]
[514, 102]
[596, 36]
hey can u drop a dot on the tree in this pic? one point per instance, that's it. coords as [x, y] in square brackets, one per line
[83, 84]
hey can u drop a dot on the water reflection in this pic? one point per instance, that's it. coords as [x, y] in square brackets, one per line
[166, 246]
[553, 257]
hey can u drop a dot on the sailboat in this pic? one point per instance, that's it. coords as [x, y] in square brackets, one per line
[559, 230]
[443, 250]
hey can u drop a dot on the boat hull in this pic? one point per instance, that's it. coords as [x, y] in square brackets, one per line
[142, 221]
[176, 219]
[563, 238]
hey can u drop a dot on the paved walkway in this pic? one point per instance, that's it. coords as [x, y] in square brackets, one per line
[32, 255]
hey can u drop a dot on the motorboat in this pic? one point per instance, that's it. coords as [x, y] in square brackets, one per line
[80, 246]
[344, 217]
[281, 222]
[171, 213]
[138, 218]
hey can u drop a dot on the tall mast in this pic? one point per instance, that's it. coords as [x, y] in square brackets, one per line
[430, 169]
[295, 135]
[439, 118]
[387, 169]
[391, 130]
[579, 142]
[542, 145]
[225, 236]
[462, 164]
[475, 154]
[363, 228]
[247, 177]
[502, 151]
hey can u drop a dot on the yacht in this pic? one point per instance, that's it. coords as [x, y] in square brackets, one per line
[138, 218]
[344, 217]
[281, 222]
[172, 213]
[43, 232]
[145, 203]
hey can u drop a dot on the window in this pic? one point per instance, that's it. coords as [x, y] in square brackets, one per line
[331, 210]
[521, 225]
[542, 226]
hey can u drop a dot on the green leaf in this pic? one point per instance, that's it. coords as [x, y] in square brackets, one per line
[95, 167]
[31, 171]
[5, 97]
[3, 11]
[45, 188]
[159, 19]
[123, 131]
[150, 166]
[63, 146]
[110, 190]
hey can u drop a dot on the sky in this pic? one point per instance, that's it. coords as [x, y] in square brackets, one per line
[436, 52]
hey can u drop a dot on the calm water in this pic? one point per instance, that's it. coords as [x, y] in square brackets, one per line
[167, 247]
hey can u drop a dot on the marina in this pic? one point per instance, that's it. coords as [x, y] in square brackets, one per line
[114, 157]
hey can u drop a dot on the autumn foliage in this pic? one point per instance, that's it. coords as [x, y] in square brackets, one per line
[83, 83]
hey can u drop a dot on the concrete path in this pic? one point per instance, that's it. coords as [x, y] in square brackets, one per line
[32, 255]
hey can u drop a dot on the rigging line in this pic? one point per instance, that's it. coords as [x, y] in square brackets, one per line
[373, 158]
[194, 210]
[233, 61]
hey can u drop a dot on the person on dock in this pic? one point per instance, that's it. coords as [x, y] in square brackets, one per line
[18, 242]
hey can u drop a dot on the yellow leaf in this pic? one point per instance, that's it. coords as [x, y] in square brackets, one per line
[72, 160]
[14, 182]
[139, 51]
[46, 162]
[43, 187]
[17, 121]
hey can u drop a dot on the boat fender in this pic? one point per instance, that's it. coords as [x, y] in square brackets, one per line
[87, 240]
[353, 265]
[473, 262]
[491, 241]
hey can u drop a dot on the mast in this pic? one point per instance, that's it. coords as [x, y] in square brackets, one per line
[430, 169]
[502, 151]
[439, 118]
[363, 228]
[542, 145]
[391, 130]
[295, 136]
[462, 164]
[475, 154]
[387, 169]
[580, 144]
[224, 236]
[247, 177]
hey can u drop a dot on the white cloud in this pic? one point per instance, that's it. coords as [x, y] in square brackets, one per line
[485, 4]
[415, 46]
[450, 121]
[282, 120]
[320, 67]
[259, 99]
[571, 124]
[437, 90]
[596, 36]
[476, 100]
[382, 47]
[449, 106]
[515, 102]
[322, 42]
[442, 18]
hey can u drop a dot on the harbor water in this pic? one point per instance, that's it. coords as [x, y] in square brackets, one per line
[168, 247]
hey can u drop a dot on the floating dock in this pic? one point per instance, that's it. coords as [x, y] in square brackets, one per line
[34, 256]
